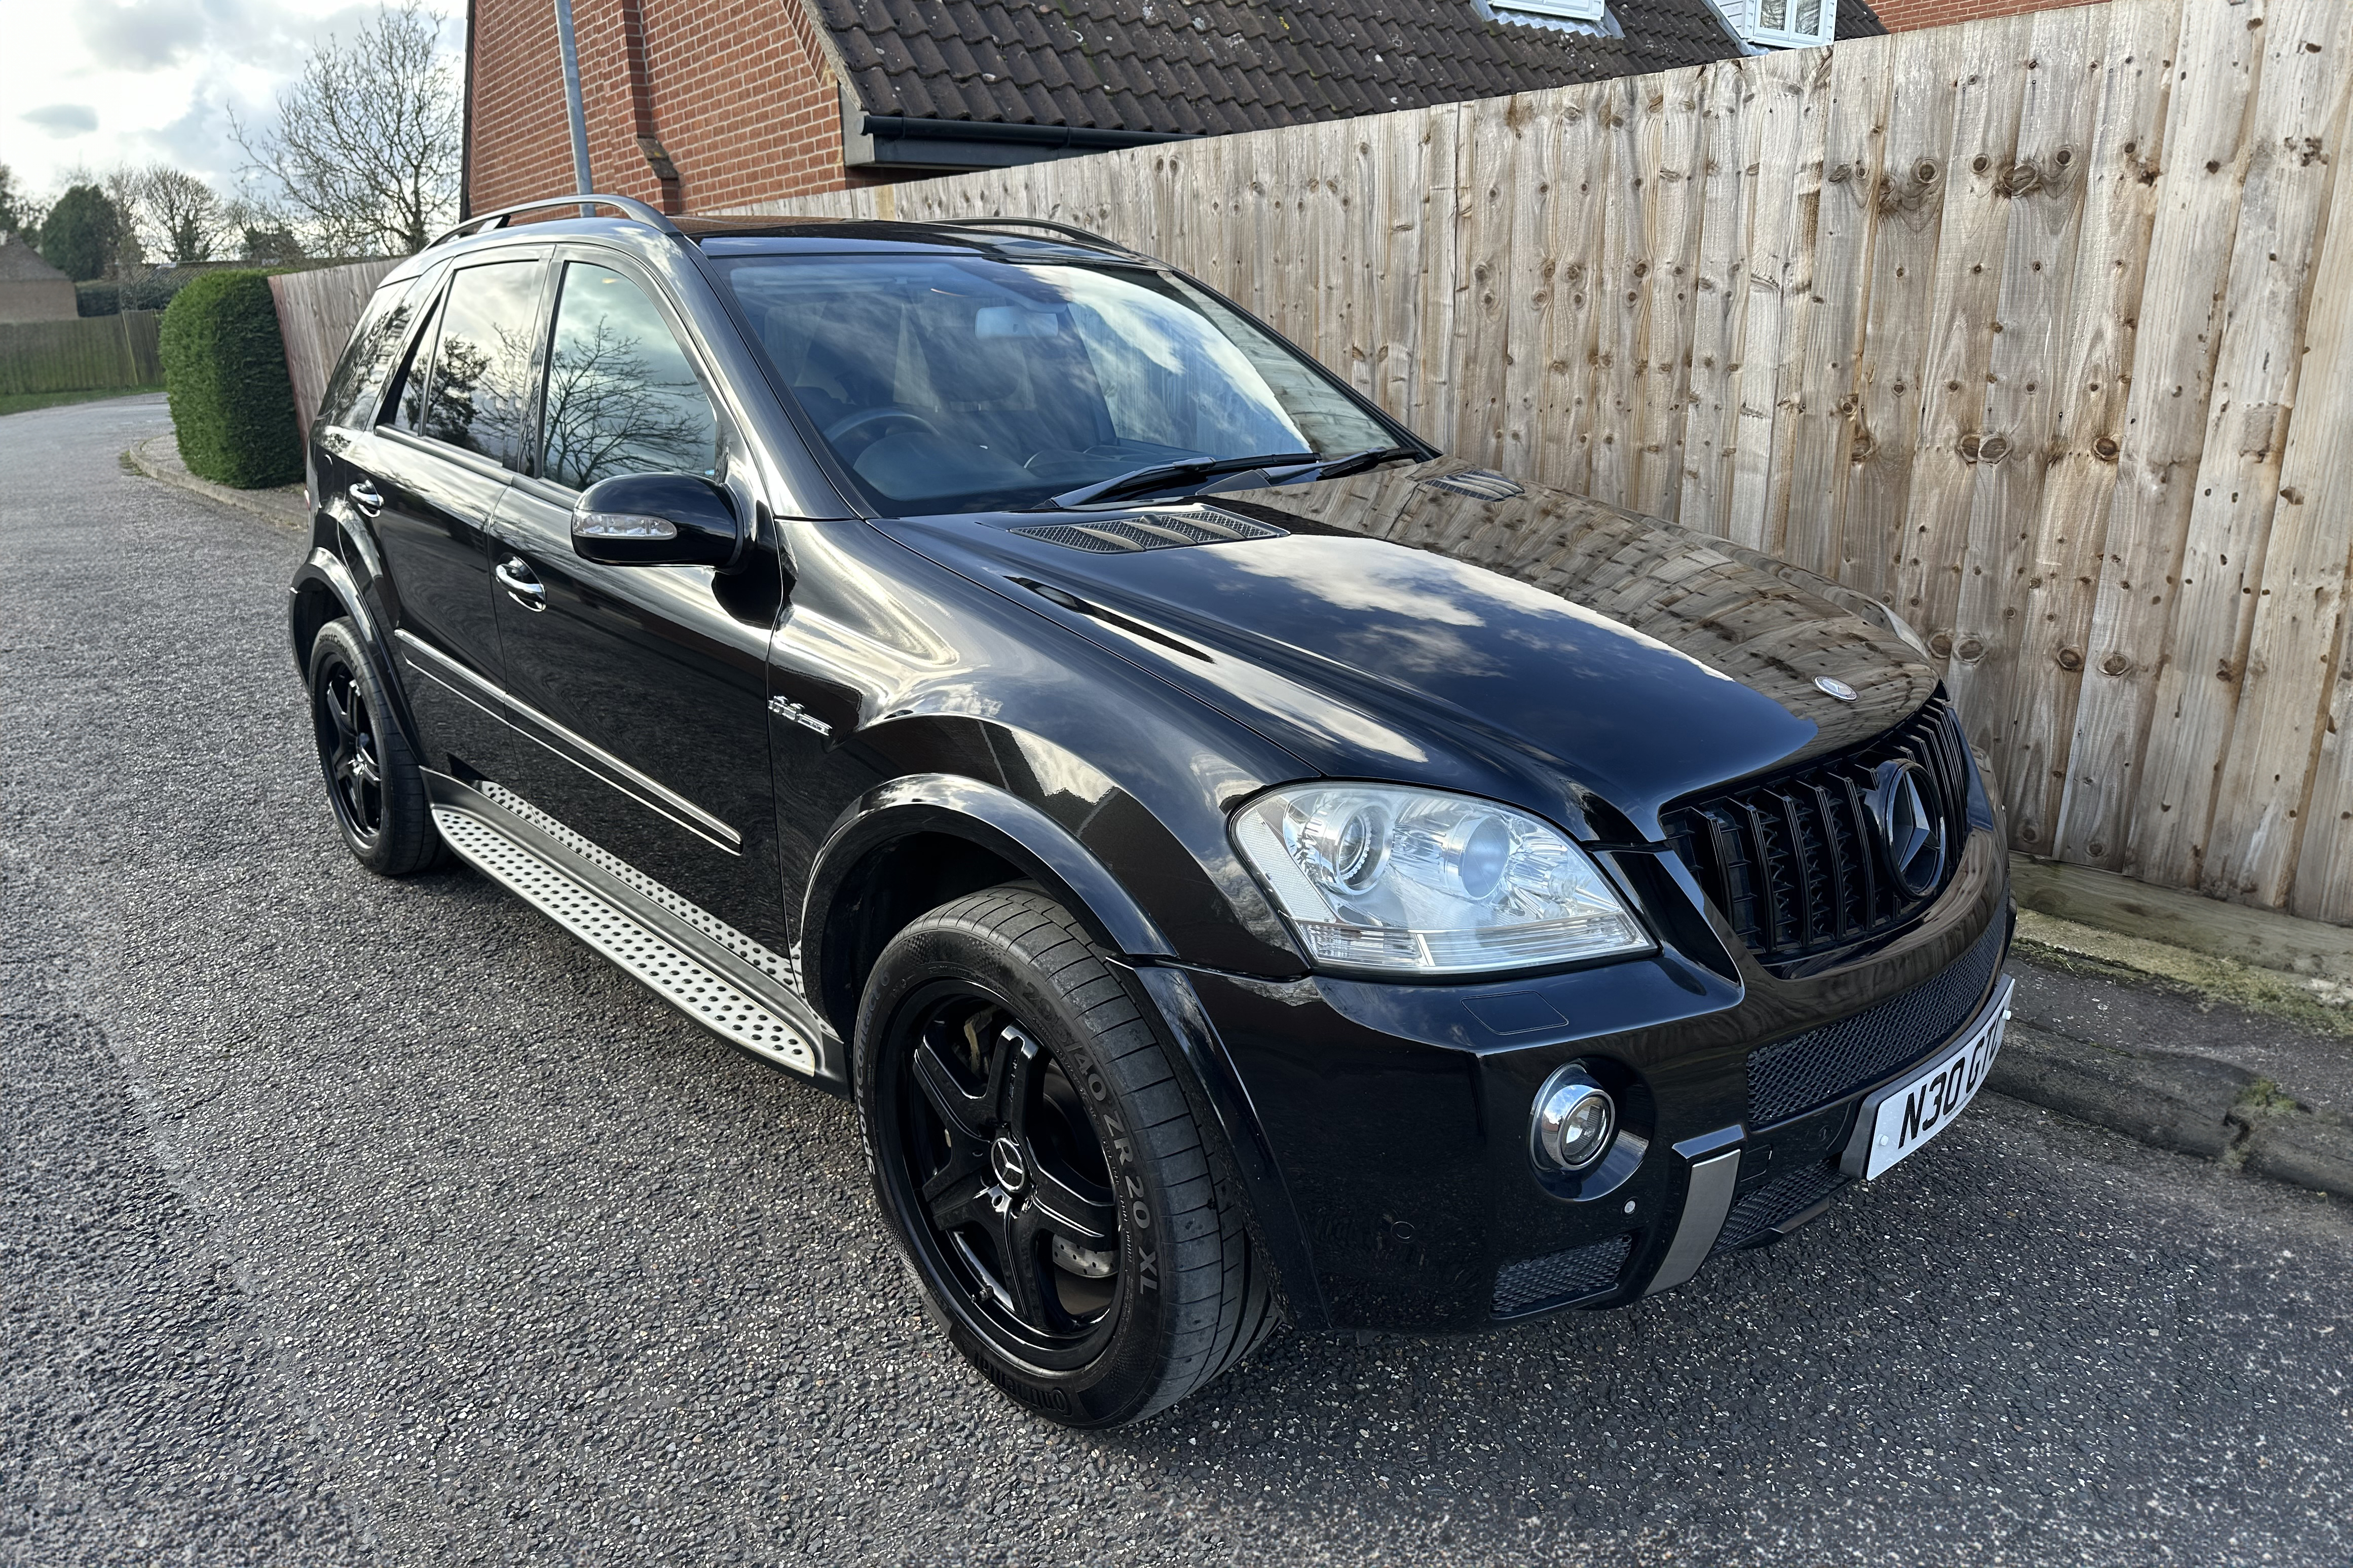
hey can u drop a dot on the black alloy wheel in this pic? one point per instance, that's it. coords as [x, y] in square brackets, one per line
[373, 780]
[1082, 1241]
[347, 734]
[1010, 1172]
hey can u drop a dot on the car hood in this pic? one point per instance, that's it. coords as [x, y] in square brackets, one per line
[1436, 625]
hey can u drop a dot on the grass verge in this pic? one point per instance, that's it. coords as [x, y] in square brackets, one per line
[2316, 1003]
[26, 401]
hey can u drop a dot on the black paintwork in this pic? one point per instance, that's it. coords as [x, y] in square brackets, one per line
[862, 717]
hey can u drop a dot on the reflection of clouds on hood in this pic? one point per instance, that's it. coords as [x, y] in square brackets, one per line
[1369, 577]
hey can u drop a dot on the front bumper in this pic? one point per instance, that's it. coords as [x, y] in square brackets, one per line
[1394, 1117]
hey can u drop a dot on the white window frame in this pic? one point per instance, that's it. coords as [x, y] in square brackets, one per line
[1746, 12]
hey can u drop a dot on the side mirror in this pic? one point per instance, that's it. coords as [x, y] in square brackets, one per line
[657, 519]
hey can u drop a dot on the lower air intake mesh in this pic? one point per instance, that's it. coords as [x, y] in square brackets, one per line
[1794, 1076]
[1564, 1277]
[1786, 1195]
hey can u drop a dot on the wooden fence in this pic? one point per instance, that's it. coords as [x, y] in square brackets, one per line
[82, 353]
[2040, 327]
[316, 312]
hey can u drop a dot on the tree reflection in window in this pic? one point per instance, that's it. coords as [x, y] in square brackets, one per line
[480, 396]
[621, 396]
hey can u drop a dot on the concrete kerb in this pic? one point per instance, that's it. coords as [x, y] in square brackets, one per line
[158, 457]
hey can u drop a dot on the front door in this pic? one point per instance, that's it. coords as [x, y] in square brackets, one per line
[643, 686]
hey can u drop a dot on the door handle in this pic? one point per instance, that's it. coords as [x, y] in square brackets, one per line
[525, 589]
[364, 494]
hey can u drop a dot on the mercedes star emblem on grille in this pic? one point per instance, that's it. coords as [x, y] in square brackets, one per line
[1915, 839]
[1835, 687]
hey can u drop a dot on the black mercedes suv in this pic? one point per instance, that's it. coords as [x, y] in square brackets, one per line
[1244, 863]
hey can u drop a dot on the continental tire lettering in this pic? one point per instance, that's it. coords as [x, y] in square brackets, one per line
[1148, 1271]
[1097, 1087]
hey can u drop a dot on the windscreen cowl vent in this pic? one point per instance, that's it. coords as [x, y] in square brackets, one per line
[1159, 531]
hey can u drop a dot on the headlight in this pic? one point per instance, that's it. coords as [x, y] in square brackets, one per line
[1379, 877]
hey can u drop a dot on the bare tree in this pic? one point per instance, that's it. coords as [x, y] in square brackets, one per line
[126, 188]
[182, 215]
[365, 153]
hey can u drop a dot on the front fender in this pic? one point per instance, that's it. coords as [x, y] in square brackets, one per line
[994, 819]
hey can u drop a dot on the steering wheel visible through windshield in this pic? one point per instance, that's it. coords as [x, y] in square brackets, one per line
[968, 384]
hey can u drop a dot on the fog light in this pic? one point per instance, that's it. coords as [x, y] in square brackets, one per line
[1575, 1120]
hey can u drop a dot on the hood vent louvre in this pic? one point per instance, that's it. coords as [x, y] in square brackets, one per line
[1479, 484]
[1160, 531]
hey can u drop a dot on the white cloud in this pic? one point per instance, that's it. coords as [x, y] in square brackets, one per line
[64, 119]
[138, 81]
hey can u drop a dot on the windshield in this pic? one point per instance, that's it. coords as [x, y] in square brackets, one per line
[959, 383]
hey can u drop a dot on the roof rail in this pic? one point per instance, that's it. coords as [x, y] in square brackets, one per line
[1071, 230]
[629, 207]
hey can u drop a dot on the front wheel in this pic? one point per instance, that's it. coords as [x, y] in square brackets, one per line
[1041, 1164]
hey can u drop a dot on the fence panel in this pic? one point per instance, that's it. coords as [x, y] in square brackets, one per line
[316, 312]
[81, 354]
[2033, 326]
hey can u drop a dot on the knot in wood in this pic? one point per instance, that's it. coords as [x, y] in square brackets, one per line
[2070, 659]
[1970, 651]
[1969, 448]
[2105, 449]
[2115, 664]
[1993, 449]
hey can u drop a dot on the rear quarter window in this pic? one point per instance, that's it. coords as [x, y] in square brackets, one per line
[354, 391]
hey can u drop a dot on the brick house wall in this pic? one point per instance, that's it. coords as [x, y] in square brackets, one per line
[737, 92]
[1902, 15]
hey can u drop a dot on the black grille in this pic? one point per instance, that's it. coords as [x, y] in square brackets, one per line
[1793, 862]
[1790, 1193]
[1564, 1277]
[1794, 1076]
[1157, 531]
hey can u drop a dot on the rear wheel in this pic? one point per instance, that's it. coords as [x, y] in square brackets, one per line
[1032, 1147]
[373, 780]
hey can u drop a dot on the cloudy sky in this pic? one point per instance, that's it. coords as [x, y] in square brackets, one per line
[100, 82]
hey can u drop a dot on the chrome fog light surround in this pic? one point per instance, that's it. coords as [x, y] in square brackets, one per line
[1573, 1121]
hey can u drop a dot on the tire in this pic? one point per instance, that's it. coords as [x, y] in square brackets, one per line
[373, 780]
[1081, 1241]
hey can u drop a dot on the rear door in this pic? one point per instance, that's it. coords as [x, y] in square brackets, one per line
[447, 441]
[644, 686]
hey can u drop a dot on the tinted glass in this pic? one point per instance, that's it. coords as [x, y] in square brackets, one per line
[961, 383]
[622, 397]
[359, 377]
[479, 397]
[405, 410]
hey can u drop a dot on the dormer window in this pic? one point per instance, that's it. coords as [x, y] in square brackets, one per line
[1784, 23]
[1591, 17]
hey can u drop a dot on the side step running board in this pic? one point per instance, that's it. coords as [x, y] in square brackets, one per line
[676, 977]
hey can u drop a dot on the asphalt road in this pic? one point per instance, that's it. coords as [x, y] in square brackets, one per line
[353, 1221]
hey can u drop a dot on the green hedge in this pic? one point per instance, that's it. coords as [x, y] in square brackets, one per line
[224, 368]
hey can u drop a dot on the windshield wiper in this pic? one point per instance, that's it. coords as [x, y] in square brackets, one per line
[1159, 476]
[1357, 462]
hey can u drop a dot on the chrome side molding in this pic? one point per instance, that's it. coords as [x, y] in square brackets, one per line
[580, 752]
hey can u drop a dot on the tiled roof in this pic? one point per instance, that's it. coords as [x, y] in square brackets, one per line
[20, 263]
[1216, 66]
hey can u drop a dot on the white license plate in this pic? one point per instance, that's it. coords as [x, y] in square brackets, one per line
[1900, 1118]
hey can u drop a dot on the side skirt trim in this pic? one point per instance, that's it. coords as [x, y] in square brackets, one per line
[673, 974]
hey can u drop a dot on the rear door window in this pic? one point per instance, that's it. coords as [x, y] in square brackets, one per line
[479, 398]
[622, 397]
